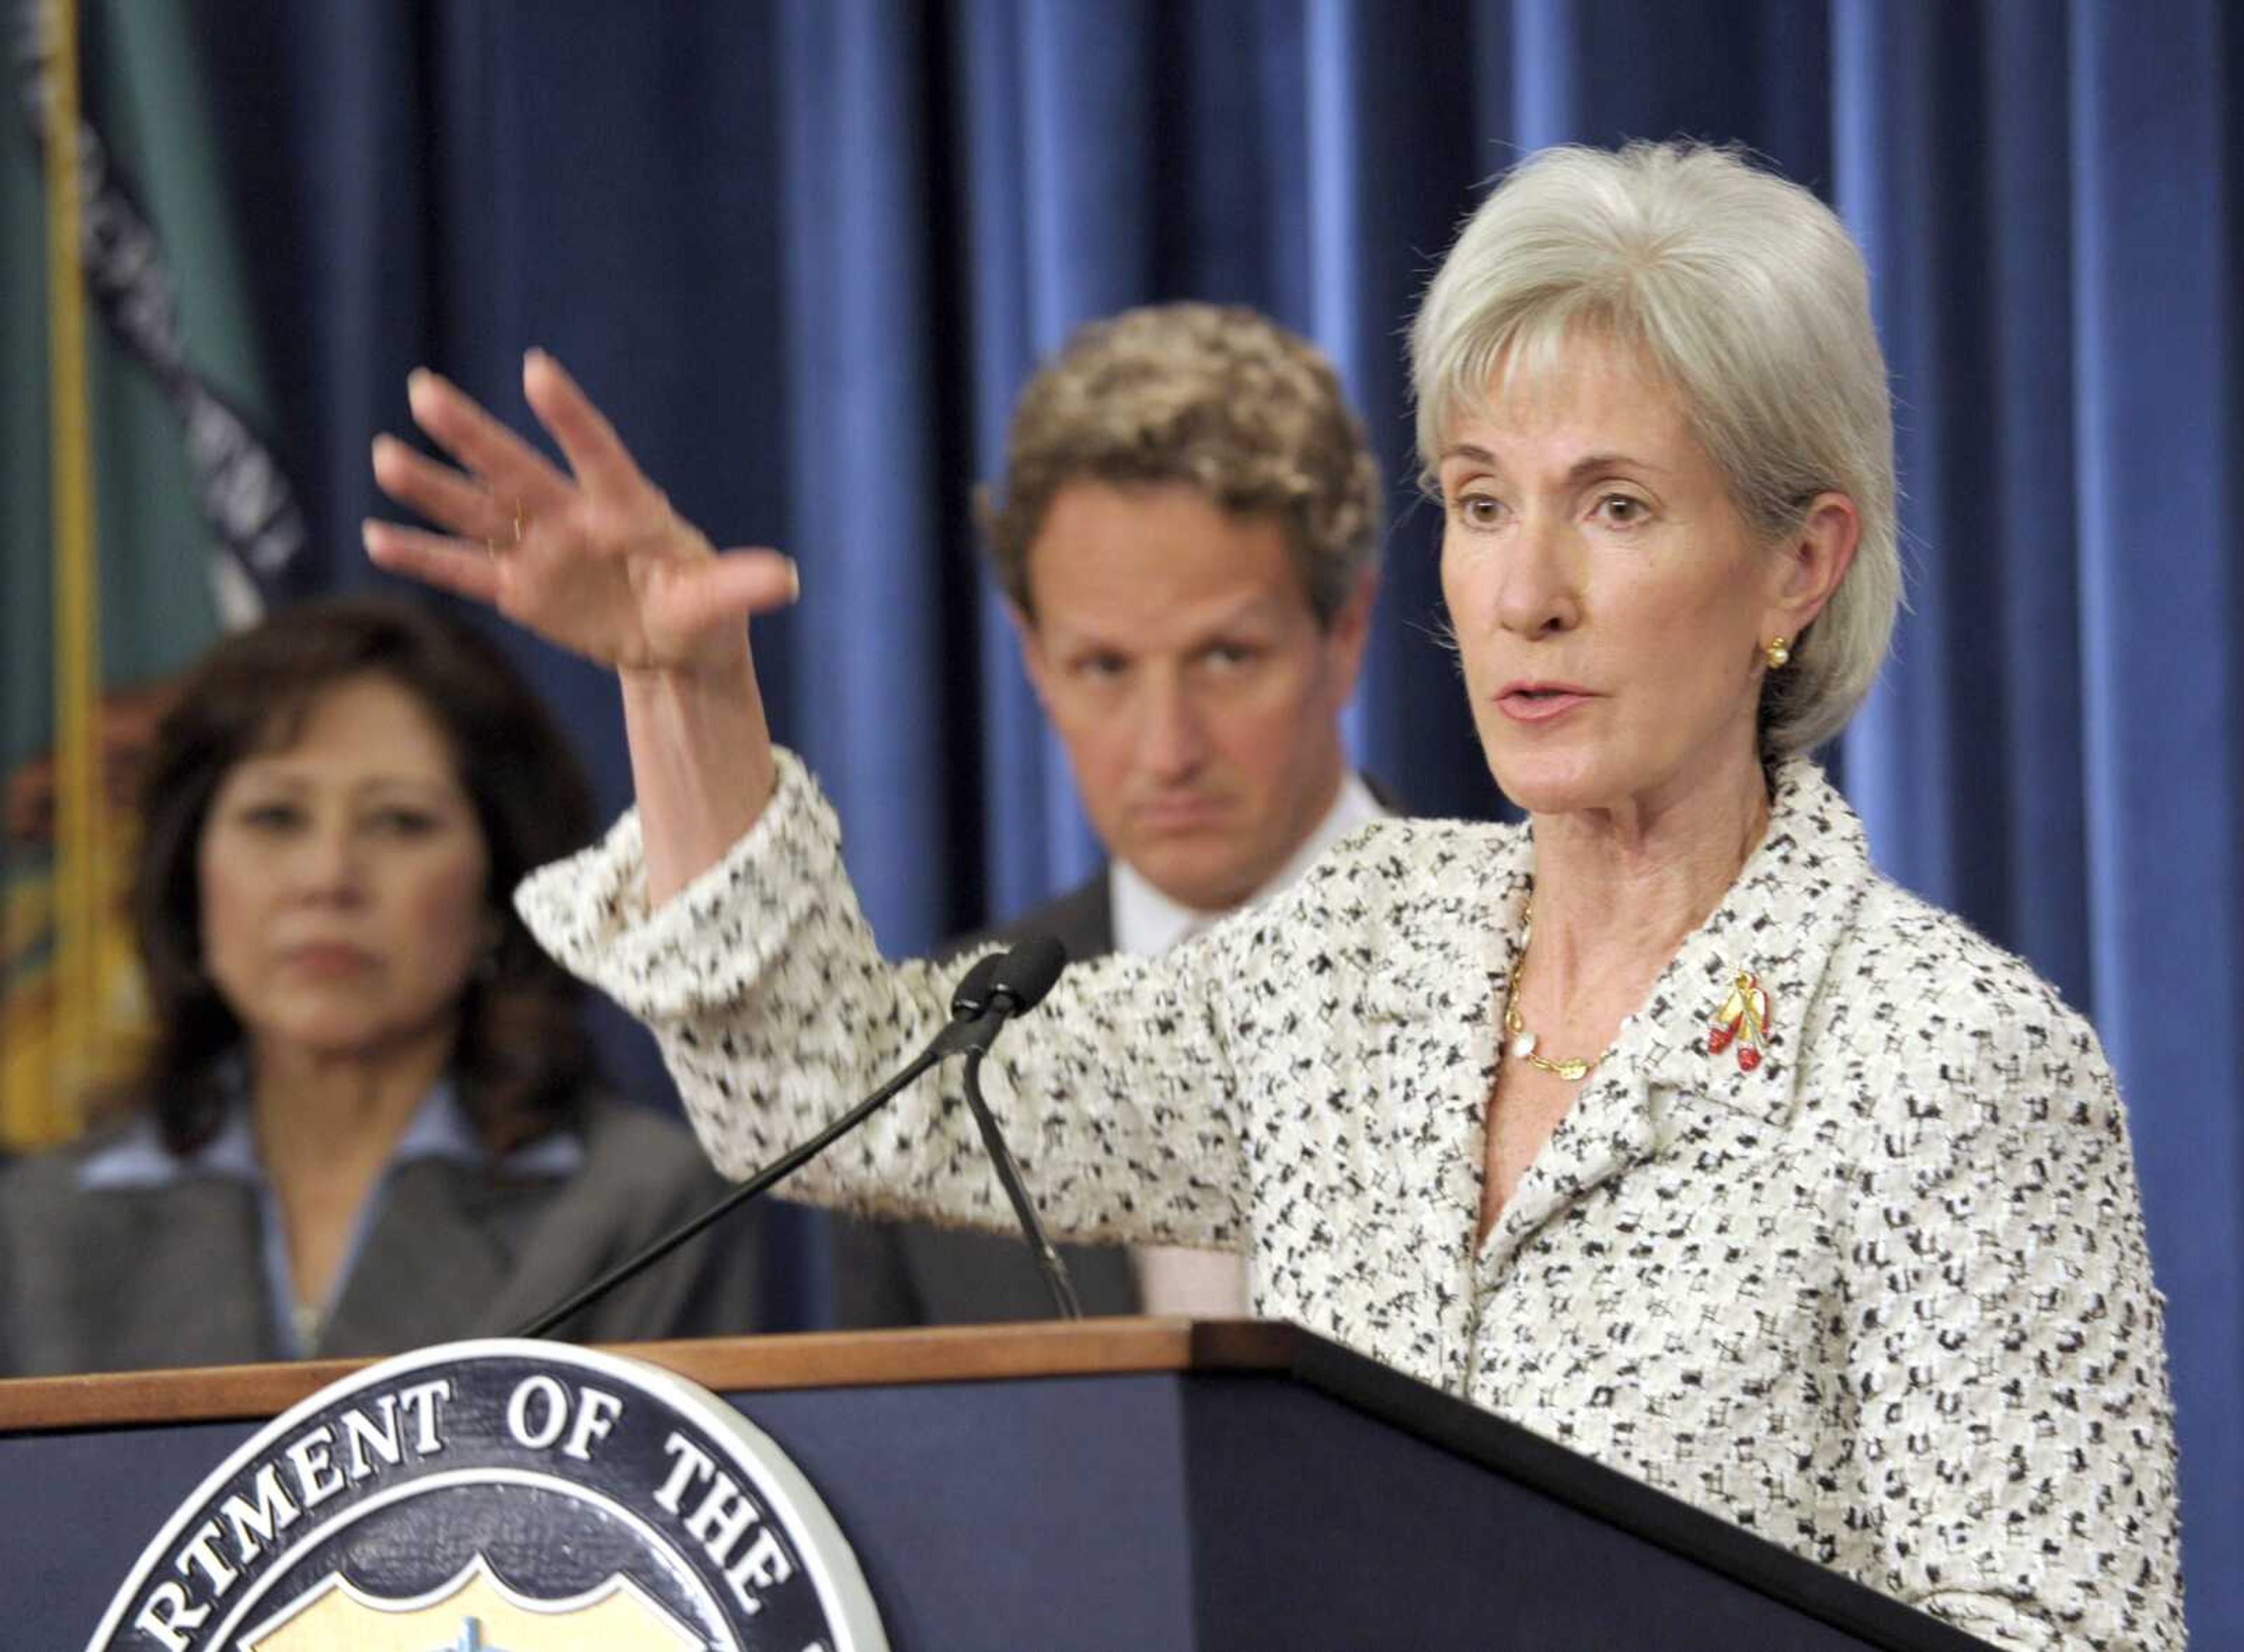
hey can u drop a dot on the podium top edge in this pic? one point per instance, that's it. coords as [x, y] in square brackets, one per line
[810, 1359]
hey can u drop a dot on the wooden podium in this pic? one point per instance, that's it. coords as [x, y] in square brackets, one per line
[1111, 1484]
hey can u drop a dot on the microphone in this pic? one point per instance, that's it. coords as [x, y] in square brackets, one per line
[980, 1005]
[1018, 985]
[970, 999]
[1028, 971]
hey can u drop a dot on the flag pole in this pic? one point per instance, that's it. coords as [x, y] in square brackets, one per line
[79, 897]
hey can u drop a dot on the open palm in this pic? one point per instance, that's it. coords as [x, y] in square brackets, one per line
[595, 559]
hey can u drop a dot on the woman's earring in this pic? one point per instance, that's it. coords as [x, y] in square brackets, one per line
[1778, 654]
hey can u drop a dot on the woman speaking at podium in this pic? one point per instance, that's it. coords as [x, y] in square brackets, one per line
[1663, 1125]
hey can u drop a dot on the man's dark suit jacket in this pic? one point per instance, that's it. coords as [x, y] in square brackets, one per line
[913, 1273]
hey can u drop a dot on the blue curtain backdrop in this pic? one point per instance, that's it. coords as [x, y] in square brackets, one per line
[806, 251]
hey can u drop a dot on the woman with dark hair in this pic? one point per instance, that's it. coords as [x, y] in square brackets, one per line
[368, 1118]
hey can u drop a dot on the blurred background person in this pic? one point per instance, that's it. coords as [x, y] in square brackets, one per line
[368, 1119]
[1186, 537]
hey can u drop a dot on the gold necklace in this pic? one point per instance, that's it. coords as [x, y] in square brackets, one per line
[1521, 1042]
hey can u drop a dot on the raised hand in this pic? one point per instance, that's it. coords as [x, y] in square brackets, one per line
[597, 561]
[594, 560]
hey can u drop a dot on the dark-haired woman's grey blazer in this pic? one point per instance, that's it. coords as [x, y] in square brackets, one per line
[128, 1278]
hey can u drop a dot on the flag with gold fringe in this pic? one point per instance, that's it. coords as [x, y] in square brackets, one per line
[140, 512]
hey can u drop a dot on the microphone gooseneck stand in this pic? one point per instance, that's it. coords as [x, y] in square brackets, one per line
[778, 1170]
[998, 987]
[1040, 1245]
[1023, 978]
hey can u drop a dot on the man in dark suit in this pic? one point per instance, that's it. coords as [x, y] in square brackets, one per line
[1185, 534]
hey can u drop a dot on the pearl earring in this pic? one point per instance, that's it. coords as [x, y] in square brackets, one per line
[1778, 654]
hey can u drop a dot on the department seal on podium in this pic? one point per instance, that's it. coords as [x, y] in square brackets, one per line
[501, 1496]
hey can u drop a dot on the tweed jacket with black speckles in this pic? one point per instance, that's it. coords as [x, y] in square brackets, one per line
[1884, 1298]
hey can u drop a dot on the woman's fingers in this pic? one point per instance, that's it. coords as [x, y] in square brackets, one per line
[443, 494]
[510, 467]
[453, 564]
[602, 464]
[594, 560]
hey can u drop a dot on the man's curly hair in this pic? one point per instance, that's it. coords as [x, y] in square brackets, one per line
[1222, 399]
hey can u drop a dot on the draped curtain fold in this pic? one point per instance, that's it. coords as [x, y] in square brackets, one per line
[805, 252]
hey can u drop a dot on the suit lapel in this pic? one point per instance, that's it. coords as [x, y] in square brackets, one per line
[1082, 919]
[437, 1265]
[197, 1293]
[1776, 927]
[1608, 1130]
[1382, 794]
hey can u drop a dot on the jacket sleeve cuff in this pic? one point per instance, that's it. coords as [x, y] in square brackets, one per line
[708, 944]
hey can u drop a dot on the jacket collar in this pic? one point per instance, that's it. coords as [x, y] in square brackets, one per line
[1789, 907]
[440, 1128]
[1779, 924]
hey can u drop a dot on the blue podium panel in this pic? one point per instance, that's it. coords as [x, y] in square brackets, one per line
[1044, 1513]
[82, 1504]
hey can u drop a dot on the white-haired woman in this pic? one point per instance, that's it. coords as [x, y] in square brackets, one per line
[1663, 1125]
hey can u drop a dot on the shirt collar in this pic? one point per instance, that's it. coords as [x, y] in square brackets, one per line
[1147, 922]
[440, 1128]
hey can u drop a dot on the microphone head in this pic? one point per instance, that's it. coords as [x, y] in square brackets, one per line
[1027, 972]
[972, 994]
